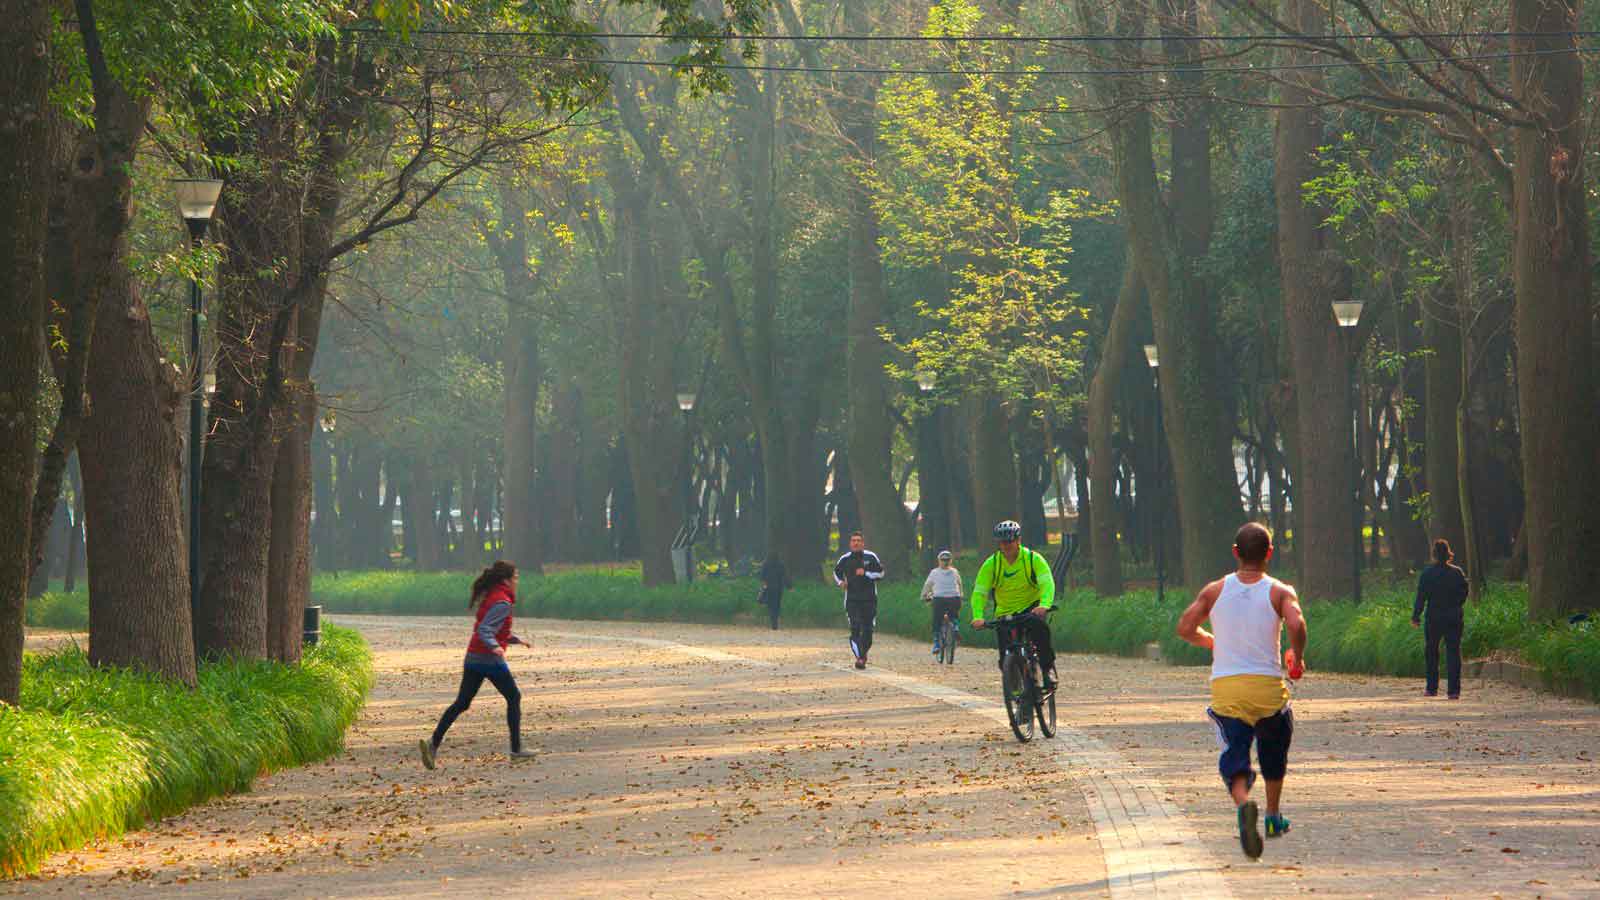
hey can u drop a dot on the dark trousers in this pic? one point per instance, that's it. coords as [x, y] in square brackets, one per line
[863, 615]
[774, 604]
[1038, 631]
[945, 606]
[472, 678]
[1448, 631]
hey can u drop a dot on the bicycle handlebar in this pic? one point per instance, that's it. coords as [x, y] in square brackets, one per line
[1016, 616]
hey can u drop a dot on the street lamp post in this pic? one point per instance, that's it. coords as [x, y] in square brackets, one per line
[1153, 356]
[197, 200]
[1348, 314]
[686, 402]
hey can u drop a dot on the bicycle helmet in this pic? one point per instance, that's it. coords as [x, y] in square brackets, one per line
[1008, 531]
[944, 554]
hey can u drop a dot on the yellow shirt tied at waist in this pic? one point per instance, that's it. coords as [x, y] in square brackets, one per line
[1248, 698]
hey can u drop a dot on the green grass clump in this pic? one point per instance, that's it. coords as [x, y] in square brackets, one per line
[92, 752]
[68, 612]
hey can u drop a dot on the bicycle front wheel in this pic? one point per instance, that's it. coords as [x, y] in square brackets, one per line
[948, 635]
[1019, 697]
[1046, 711]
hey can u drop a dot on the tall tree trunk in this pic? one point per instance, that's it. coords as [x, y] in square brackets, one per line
[994, 472]
[1441, 328]
[566, 468]
[262, 221]
[650, 419]
[933, 485]
[1168, 249]
[25, 143]
[1102, 510]
[1314, 274]
[1554, 312]
[523, 542]
[870, 426]
[131, 459]
[289, 553]
[420, 499]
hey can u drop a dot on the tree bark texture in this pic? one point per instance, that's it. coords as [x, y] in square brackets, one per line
[523, 541]
[289, 554]
[25, 127]
[1114, 358]
[261, 218]
[994, 466]
[1552, 271]
[1313, 275]
[130, 450]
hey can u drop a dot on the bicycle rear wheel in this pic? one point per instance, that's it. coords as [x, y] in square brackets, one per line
[1019, 697]
[948, 635]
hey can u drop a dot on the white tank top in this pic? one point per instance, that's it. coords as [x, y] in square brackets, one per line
[1246, 630]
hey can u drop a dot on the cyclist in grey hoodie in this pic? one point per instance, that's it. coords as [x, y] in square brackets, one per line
[943, 589]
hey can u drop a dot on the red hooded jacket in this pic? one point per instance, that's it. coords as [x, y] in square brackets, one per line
[500, 593]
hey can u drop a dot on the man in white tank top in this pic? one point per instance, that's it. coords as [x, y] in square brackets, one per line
[1248, 611]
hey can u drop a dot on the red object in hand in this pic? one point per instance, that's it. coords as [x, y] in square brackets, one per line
[1293, 665]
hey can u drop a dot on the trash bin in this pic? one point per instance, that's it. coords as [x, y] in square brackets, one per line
[313, 626]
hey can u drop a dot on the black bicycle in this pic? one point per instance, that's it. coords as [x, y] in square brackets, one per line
[949, 636]
[1022, 679]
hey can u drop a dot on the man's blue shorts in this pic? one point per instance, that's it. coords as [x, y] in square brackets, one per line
[1271, 736]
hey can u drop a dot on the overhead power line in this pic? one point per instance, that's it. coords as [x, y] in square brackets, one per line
[685, 37]
[1009, 73]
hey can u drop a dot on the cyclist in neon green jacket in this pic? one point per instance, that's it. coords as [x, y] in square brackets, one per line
[1018, 578]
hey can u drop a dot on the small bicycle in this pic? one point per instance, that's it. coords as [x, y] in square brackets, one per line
[1022, 680]
[949, 636]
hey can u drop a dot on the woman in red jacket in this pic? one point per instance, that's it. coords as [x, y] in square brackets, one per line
[493, 595]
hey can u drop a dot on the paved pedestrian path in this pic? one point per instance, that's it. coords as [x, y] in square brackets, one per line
[690, 761]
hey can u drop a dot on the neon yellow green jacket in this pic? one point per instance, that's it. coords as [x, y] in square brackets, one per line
[1013, 590]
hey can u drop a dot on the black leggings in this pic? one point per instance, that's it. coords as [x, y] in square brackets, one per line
[472, 678]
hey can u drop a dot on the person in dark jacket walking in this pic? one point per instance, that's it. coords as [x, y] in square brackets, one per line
[493, 594]
[774, 578]
[1441, 597]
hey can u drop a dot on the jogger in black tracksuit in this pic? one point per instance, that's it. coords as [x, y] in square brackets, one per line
[858, 572]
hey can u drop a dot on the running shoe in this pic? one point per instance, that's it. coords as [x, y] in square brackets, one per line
[861, 662]
[936, 649]
[428, 754]
[1276, 825]
[1249, 837]
[524, 753]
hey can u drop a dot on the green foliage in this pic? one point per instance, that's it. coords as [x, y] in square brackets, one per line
[92, 752]
[957, 192]
[54, 609]
[1373, 637]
